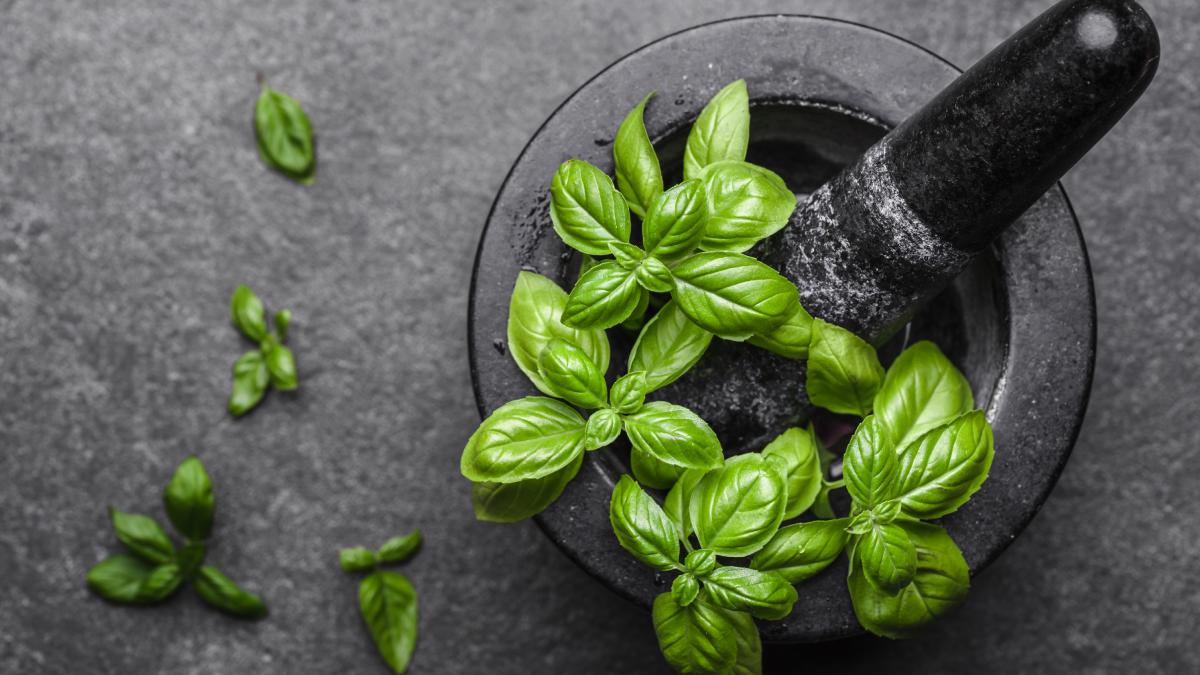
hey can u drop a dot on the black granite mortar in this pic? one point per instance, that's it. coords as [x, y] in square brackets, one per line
[1020, 321]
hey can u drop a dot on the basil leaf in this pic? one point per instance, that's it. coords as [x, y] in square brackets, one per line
[797, 552]
[528, 438]
[676, 503]
[765, 595]
[749, 644]
[510, 502]
[843, 370]
[285, 138]
[250, 379]
[628, 393]
[399, 549]
[638, 317]
[721, 132]
[626, 255]
[684, 589]
[939, 584]
[651, 472]
[602, 428]
[675, 435]
[143, 537]
[357, 559]
[922, 390]
[603, 297]
[745, 203]
[188, 499]
[795, 451]
[219, 591]
[283, 319]
[737, 508]
[654, 275]
[675, 222]
[191, 557]
[162, 581]
[533, 321]
[642, 527]
[587, 211]
[789, 339]
[668, 346]
[942, 469]
[638, 173]
[701, 562]
[571, 375]
[693, 639]
[389, 606]
[869, 466]
[119, 578]
[887, 557]
[282, 367]
[733, 295]
[248, 315]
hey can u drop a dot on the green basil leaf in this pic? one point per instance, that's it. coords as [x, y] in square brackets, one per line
[143, 537]
[248, 315]
[651, 472]
[188, 499]
[533, 321]
[587, 211]
[765, 595]
[675, 222]
[283, 319]
[797, 552]
[221, 592]
[737, 508]
[357, 559]
[654, 275]
[285, 137]
[887, 557]
[282, 367]
[162, 581]
[684, 589]
[922, 390]
[745, 203]
[602, 428]
[939, 585]
[638, 317]
[675, 435]
[870, 466]
[701, 562]
[603, 297]
[119, 578]
[722, 132]
[696, 639]
[795, 451]
[250, 380]
[571, 375]
[628, 393]
[511, 502]
[789, 339]
[638, 173]
[733, 295]
[749, 644]
[626, 255]
[668, 346]
[676, 503]
[527, 438]
[191, 557]
[642, 527]
[843, 370]
[389, 606]
[399, 549]
[942, 469]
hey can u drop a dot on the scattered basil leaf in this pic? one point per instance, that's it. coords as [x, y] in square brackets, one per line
[642, 527]
[733, 295]
[940, 471]
[603, 297]
[388, 603]
[119, 578]
[798, 552]
[887, 557]
[694, 639]
[638, 173]
[652, 472]
[221, 592]
[789, 339]
[684, 589]
[188, 499]
[737, 508]
[399, 549]
[248, 314]
[674, 435]
[143, 537]
[511, 502]
[571, 375]
[843, 370]
[357, 559]
[765, 595]
[675, 222]
[654, 275]
[587, 211]
[628, 393]
[745, 203]
[701, 562]
[533, 321]
[795, 450]
[922, 390]
[721, 132]
[528, 438]
[285, 137]
[250, 380]
[668, 346]
[869, 466]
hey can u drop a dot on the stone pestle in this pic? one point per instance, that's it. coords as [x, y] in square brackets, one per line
[896, 227]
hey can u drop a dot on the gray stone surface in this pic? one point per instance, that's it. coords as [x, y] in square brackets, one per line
[132, 202]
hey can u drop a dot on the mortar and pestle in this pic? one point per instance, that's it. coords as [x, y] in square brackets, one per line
[929, 209]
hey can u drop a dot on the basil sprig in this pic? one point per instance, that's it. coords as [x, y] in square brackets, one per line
[271, 365]
[285, 136]
[387, 599]
[156, 568]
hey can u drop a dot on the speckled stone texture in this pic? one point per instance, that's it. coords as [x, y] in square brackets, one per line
[132, 202]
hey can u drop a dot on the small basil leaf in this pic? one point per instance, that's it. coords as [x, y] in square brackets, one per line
[888, 558]
[221, 592]
[188, 499]
[684, 589]
[843, 370]
[628, 393]
[602, 428]
[602, 298]
[668, 346]
[527, 438]
[737, 508]
[939, 584]
[248, 315]
[745, 203]
[942, 469]
[143, 537]
[922, 390]
[861, 523]
[626, 255]
[511, 502]
[869, 466]
[676, 503]
[399, 549]
[796, 452]
[285, 137]
[693, 639]
[283, 320]
[886, 512]
[638, 317]
[119, 578]
[655, 276]
[651, 472]
[388, 603]
[749, 644]
[674, 224]
[765, 595]
[191, 557]
[722, 132]
[587, 211]
[731, 294]
[282, 367]
[797, 552]
[250, 380]
[701, 562]
[533, 321]
[162, 581]
[674, 435]
[571, 375]
[638, 173]
[357, 559]
[642, 527]
[789, 339]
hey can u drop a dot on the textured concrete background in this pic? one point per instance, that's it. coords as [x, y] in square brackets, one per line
[132, 202]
